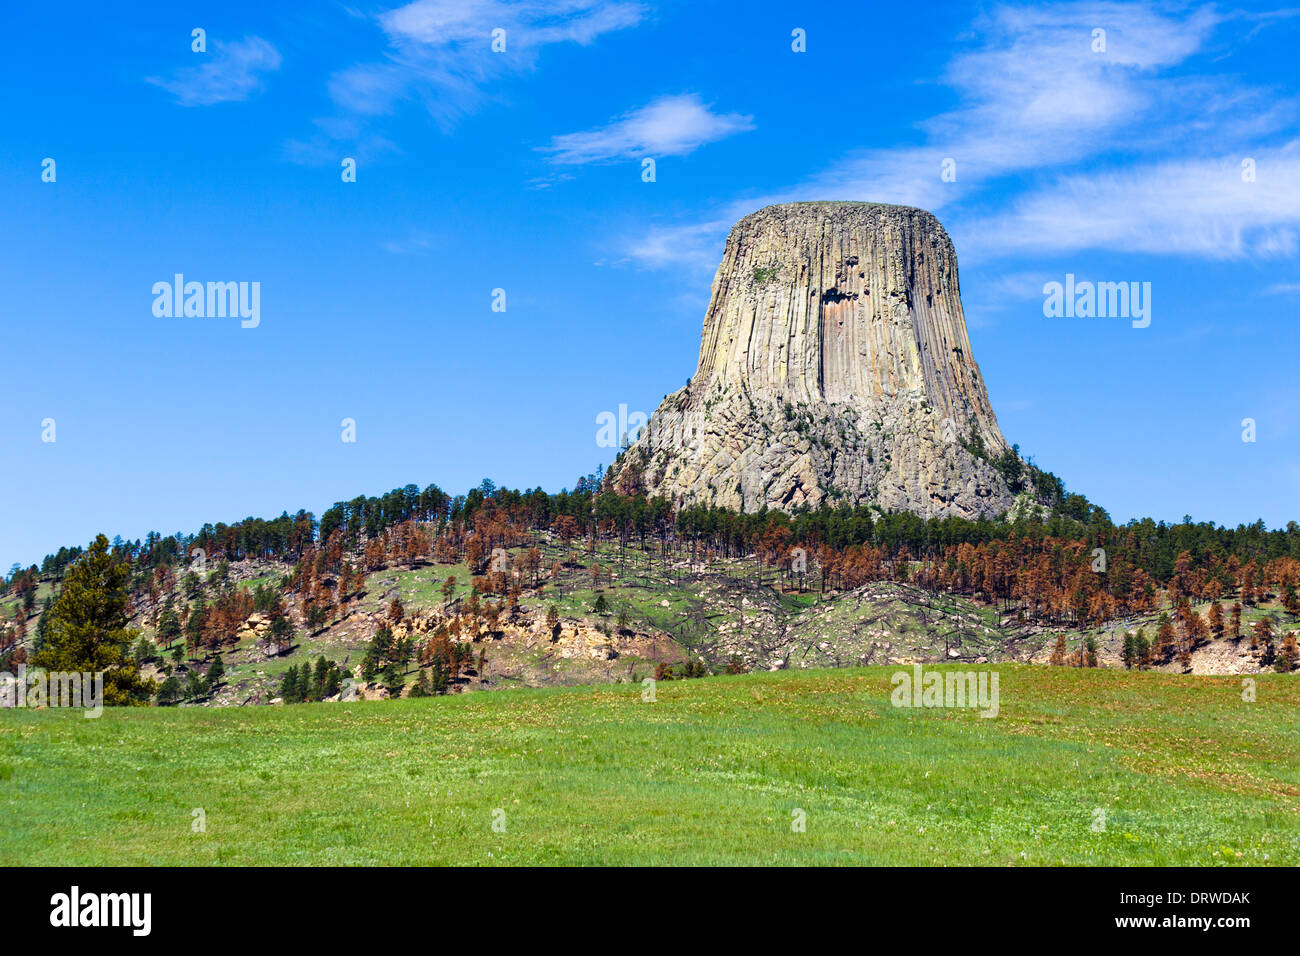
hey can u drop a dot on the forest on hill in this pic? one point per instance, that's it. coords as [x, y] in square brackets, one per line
[1070, 567]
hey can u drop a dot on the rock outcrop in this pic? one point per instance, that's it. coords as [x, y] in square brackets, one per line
[834, 368]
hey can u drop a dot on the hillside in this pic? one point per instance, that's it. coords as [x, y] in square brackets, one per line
[712, 771]
[622, 611]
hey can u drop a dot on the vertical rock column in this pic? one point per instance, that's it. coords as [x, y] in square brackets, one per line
[834, 366]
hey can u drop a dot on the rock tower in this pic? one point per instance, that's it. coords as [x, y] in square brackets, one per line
[834, 368]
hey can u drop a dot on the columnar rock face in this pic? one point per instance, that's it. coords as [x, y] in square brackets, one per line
[834, 368]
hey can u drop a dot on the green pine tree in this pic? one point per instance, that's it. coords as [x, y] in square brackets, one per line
[170, 691]
[333, 681]
[216, 672]
[281, 632]
[42, 625]
[145, 651]
[169, 625]
[439, 676]
[1142, 648]
[319, 677]
[394, 680]
[289, 685]
[88, 629]
[194, 626]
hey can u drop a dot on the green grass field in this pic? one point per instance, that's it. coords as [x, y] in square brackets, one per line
[711, 772]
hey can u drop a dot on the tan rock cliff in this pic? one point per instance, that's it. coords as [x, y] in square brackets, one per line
[834, 367]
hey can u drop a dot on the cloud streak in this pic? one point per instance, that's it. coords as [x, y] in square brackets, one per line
[1060, 147]
[230, 73]
[440, 51]
[1198, 207]
[668, 126]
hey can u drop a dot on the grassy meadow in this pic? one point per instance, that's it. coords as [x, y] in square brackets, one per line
[714, 771]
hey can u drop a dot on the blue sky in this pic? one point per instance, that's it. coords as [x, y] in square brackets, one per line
[522, 171]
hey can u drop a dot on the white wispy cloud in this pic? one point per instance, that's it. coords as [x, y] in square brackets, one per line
[696, 246]
[229, 72]
[533, 24]
[1194, 207]
[321, 148]
[668, 126]
[1058, 147]
[1033, 94]
[440, 55]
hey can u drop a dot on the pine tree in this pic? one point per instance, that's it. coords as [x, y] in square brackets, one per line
[439, 676]
[1289, 655]
[280, 634]
[169, 626]
[1194, 629]
[1142, 649]
[289, 685]
[319, 678]
[43, 624]
[1058, 652]
[145, 651]
[1263, 639]
[88, 629]
[1164, 648]
[394, 680]
[379, 651]
[216, 672]
[334, 682]
[194, 627]
[1290, 600]
[1216, 619]
[1130, 651]
[169, 692]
